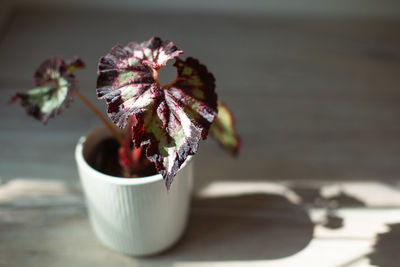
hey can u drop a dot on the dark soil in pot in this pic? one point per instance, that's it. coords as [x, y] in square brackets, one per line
[104, 158]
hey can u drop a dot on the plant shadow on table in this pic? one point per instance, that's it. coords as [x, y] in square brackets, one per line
[312, 197]
[386, 249]
[242, 227]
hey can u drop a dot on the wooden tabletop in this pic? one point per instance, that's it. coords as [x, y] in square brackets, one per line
[316, 102]
[248, 223]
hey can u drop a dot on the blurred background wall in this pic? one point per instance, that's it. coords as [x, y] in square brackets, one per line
[371, 8]
[314, 85]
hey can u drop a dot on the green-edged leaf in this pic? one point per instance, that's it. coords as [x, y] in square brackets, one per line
[170, 119]
[223, 130]
[55, 89]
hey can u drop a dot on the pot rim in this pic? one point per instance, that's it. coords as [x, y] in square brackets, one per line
[114, 179]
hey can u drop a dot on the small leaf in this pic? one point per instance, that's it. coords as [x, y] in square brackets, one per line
[55, 89]
[169, 119]
[75, 64]
[223, 130]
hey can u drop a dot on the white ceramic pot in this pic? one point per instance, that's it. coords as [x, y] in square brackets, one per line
[136, 216]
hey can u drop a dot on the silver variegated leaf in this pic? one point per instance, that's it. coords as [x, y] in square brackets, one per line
[55, 89]
[169, 119]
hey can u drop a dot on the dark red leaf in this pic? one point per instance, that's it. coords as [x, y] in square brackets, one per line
[169, 119]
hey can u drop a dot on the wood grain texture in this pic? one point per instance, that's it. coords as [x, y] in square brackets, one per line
[44, 223]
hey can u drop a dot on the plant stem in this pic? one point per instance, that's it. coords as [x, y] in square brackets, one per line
[155, 77]
[168, 85]
[110, 126]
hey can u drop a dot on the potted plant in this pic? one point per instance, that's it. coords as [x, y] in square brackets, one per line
[127, 171]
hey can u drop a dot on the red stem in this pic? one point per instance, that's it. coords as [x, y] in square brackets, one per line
[110, 126]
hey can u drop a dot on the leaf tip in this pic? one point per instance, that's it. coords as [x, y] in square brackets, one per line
[14, 98]
[75, 63]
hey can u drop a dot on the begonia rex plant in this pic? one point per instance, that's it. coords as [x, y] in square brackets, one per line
[162, 122]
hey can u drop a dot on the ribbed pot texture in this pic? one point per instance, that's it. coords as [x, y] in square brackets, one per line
[136, 216]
